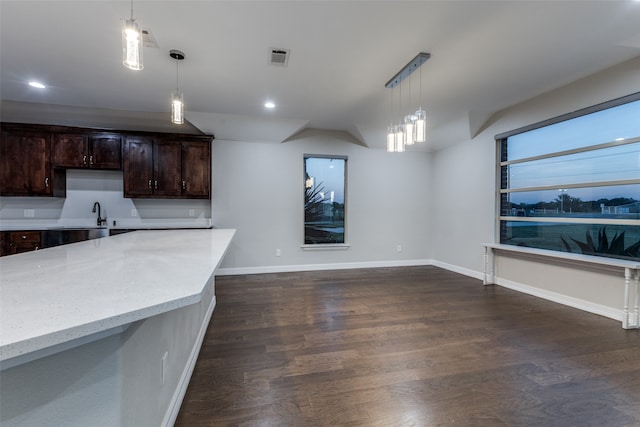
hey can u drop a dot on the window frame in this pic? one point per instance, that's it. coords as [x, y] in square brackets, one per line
[502, 175]
[325, 246]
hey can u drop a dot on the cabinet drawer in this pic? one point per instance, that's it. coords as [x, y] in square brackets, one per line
[24, 236]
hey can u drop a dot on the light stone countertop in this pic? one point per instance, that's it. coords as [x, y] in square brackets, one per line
[124, 223]
[56, 295]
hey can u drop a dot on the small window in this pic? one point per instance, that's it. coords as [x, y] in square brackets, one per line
[324, 199]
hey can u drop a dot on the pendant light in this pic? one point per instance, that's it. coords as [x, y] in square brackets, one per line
[177, 98]
[132, 44]
[421, 119]
[391, 131]
[421, 125]
[400, 138]
[400, 134]
[391, 139]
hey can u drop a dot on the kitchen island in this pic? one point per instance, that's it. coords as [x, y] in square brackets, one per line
[123, 315]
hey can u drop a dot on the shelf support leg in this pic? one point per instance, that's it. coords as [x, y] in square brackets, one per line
[637, 305]
[627, 288]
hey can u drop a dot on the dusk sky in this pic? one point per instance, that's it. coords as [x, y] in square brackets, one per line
[615, 163]
[329, 172]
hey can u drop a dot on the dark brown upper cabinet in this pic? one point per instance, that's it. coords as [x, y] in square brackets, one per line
[25, 163]
[34, 159]
[94, 150]
[159, 167]
[196, 169]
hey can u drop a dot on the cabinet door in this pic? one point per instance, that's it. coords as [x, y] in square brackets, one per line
[138, 167]
[14, 170]
[40, 165]
[4, 243]
[196, 169]
[167, 180]
[106, 152]
[25, 160]
[70, 151]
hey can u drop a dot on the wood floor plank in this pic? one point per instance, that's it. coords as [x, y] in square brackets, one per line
[406, 346]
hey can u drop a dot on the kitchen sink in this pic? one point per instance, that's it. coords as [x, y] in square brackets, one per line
[63, 236]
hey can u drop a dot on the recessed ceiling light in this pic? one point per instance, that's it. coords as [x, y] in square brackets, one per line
[269, 104]
[37, 85]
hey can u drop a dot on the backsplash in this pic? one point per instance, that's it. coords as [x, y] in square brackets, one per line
[84, 188]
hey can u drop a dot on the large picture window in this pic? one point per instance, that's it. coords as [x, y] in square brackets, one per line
[573, 183]
[324, 199]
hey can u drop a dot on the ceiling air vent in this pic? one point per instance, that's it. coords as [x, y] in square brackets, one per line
[147, 39]
[278, 56]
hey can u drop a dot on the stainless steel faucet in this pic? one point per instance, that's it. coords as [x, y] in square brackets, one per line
[101, 221]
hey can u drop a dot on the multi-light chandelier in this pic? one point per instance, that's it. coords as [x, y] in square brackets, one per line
[412, 128]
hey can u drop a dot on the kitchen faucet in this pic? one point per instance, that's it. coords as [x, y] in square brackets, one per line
[101, 221]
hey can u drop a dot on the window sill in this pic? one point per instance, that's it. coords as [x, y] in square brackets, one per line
[326, 246]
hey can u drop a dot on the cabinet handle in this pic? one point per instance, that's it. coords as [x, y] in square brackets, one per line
[184, 185]
[91, 160]
[46, 182]
[149, 184]
[24, 237]
[84, 160]
[156, 182]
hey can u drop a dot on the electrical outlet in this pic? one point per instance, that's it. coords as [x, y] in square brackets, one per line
[164, 366]
[192, 212]
[134, 212]
[278, 252]
[29, 213]
[399, 248]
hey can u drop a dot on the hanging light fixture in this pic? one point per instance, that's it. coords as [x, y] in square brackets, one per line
[400, 131]
[132, 44]
[412, 127]
[399, 138]
[421, 125]
[391, 139]
[409, 121]
[421, 119]
[177, 98]
[391, 131]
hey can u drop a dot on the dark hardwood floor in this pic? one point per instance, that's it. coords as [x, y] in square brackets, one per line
[417, 346]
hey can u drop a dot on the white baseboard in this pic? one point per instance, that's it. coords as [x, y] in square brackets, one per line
[176, 401]
[457, 269]
[319, 267]
[580, 304]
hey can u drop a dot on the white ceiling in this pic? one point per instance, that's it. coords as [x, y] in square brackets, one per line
[485, 56]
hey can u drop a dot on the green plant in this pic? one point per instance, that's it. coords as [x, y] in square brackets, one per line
[615, 246]
[313, 201]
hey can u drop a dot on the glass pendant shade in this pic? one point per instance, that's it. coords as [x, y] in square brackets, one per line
[177, 108]
[409, 129]
[399, 138]
[421, 126]
[391, 139]
[132, 46]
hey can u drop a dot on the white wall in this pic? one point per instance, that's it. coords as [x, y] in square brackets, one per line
[464, 198]
[258, 189]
